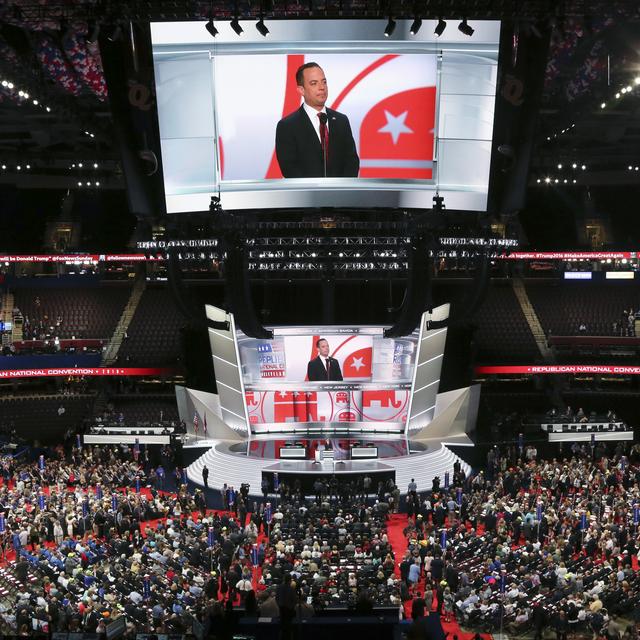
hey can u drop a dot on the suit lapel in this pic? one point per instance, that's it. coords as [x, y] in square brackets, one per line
[309, 131]
[333, 133]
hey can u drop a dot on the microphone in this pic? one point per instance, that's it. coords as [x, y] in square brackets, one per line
[323, 121]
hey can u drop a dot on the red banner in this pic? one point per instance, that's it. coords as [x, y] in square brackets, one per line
[568, 255]
[558, 368]
[82, 258]
[84, 371]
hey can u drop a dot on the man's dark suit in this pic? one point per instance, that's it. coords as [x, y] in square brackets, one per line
[300, 154]
[316, 371]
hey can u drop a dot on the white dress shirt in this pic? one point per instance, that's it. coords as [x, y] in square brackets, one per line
[313, 116]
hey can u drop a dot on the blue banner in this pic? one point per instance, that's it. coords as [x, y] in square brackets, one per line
[41, 502]
[85, 507]
[137, 484]
[593, 439]
[443, 539]
[114, 501]
[446, 479]
[146, 588]
[78, 441]
[459, 496]
[636, 514]
[583, 521]
[267, 513]
[98, 491]
[254, 555]
[276, 481]
[211, 537]
[184, 477]
[41, 462]
[503, 583]
[2, 523]
[539, 511]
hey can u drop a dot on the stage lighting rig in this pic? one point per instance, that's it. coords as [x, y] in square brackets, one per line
[440, 27]
[464, 27]
[415, 26]
[262, 27]
[236, 26]
[390, 28]
[210, 27]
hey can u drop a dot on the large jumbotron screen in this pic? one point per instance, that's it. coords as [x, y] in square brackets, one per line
[329, 375]
[326, 378]
[406, 115]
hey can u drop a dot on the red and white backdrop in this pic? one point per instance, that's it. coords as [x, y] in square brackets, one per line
[390, 100]
[281, 407]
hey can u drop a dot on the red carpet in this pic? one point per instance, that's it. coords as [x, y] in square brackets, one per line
[397, 522]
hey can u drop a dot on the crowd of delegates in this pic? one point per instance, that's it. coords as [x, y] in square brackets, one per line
[557, 537]
[532, 545]
[92, 542]
[336, 551]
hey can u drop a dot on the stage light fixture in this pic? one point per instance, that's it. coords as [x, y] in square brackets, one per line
[390, 28]
[464, 27]
[211, 28]
[440, 27]
[262, 28]
[415, 26]
[236, 26]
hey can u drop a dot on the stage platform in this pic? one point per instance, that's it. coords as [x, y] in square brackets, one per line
[235, 463]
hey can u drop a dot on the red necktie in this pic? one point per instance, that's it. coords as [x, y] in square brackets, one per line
[324, 135]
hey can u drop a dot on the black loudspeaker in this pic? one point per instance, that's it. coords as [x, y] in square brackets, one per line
[417, 297]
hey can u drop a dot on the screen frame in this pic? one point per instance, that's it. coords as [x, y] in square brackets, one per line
[312, 36]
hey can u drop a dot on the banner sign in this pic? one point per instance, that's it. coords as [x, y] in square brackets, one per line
[85, 371]
[569, 255]
[609, 369]
[82, 258]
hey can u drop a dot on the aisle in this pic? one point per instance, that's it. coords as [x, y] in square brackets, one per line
[397, 522]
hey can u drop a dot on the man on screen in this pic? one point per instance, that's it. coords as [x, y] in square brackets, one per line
[315, 142]
[323, 367]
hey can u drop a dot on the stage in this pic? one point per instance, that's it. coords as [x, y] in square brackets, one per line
[234, 463]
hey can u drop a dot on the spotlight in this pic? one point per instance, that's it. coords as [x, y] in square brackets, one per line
[79, 184]
[463, 27]
[415, 26]
[95, 165]
[559, 165]
[603, 105]
[235, 25]
[28, 166]
[48, 109]
[262, 28]
[390, 28]
[440, 27]
[210, 27]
